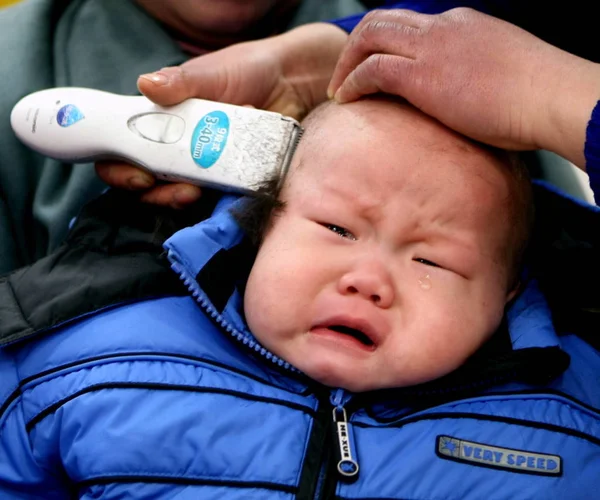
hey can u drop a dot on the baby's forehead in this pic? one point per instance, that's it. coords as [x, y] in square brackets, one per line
[388, 134]
[380, 119]
[375, 149]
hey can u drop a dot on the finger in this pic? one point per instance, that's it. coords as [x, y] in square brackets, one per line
[386, 31]
[124, 176]
[173, 85]
[172, 195]
[379, 73]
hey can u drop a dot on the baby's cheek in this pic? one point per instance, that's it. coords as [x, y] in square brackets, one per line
[260, 294]
[272, 293]
[252, 306]
[449, 314]
[489, 304]
[472, 319]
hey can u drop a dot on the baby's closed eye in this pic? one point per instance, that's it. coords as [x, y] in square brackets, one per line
[426, 262]
[339, 230]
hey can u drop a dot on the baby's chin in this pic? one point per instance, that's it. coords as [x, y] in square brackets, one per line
[363, 379]
[336, 377]
[359, 383]
[349, 383]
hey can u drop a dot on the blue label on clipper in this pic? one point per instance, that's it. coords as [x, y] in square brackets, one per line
[68, 115]
[209, 138]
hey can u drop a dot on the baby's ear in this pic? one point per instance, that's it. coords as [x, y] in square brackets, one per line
[519, 283]
[516, 289]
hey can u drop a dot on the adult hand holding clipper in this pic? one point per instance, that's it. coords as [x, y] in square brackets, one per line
[287, 74]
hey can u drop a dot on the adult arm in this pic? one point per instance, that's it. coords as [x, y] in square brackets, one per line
[287, 73]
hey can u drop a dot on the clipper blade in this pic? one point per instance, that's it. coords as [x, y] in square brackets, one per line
[295, 135]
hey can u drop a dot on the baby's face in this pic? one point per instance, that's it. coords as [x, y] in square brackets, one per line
[388, 265]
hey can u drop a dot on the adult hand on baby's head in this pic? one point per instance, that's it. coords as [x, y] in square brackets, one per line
[481, 76]
[288, 74]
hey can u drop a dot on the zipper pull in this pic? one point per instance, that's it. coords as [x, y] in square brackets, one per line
[347, 466]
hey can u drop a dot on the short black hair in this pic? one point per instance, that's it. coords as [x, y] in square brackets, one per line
[256, 213]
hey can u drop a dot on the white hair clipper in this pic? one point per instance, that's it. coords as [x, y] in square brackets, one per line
[232, 148]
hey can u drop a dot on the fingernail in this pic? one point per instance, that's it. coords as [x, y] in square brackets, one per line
[185, 195]
[140, 182]
[330, 93]
[157, 78]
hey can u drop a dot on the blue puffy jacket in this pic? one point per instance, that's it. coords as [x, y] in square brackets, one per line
[172, 397]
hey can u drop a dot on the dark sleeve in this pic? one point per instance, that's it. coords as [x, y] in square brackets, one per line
[592, 151]
[423, 6]
[573, 29]
[114, 254]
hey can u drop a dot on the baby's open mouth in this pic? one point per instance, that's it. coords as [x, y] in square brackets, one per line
[354, 333]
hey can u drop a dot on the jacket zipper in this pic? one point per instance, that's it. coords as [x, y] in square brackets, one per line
[322, 484]
[203, 301]
[340, 460]
[346, 458]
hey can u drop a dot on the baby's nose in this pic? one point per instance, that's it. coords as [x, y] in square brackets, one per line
[371, 281]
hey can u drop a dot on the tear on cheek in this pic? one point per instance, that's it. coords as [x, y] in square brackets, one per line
[425, 282]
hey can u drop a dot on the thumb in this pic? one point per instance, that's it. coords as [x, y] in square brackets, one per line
[173, 85]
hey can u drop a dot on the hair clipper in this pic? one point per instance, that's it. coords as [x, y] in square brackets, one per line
[232, 148]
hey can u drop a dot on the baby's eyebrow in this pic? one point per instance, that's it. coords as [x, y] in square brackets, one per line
[464, 249]
[451, 235]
